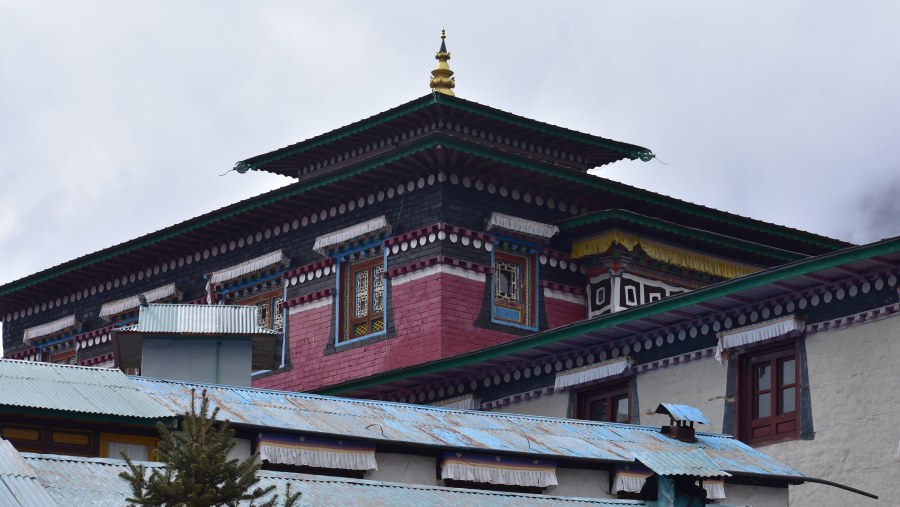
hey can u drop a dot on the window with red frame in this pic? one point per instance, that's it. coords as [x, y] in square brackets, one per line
[610, 404]
[769, 396]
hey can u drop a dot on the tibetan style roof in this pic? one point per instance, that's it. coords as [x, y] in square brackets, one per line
[57, 387]
[406, 159]
[873, 260]
[95, 481]
[439, 113]
[474, 431]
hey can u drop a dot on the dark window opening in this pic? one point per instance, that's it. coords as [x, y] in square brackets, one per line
[607, 404]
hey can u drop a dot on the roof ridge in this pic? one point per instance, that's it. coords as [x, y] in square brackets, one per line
[495, 415]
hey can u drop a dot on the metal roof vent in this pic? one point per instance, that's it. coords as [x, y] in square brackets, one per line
[681, 421]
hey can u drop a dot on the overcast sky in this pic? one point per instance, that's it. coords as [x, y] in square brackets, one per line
[118, 118]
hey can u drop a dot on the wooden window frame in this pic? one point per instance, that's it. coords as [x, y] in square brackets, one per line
[272, 297]
[152, 444]
[779, 426]
[526, 305]
[609, 393]
[348, 319]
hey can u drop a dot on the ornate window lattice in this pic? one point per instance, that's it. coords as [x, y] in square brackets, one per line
[362, 308]
[262, 313]
[506, 286]
[514, 285]
[277, 313]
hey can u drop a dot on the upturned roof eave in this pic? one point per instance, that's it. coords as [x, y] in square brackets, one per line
[259, 162]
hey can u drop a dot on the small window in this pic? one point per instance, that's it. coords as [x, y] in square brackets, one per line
[514, 281]
[362, 295]
[609, 404]
[136, 447]
[769, 396]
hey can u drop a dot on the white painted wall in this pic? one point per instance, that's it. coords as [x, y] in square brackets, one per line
[241, 450]
[405, 469]
[581, 483]
[554, 405]
[854, 376]
[756, 496]
[699, 383]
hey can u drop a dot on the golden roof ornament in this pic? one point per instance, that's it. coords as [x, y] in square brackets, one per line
[442, 79]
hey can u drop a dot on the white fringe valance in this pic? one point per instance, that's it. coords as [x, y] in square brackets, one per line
[317, 453]
[509, 471]
[121, 305]
[466, 402]
[585, 374]
[715, 490]
[757, 333]
[630, 481]
[247, 267]
[323, 242]
[521, 225]
[33, 333]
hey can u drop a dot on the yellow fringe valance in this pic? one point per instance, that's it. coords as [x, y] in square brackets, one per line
[661, 252]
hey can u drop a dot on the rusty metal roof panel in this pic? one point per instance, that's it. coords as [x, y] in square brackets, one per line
[441, 428]
[75, 389]
[198, 319]
[19, 485]
[95, 481]
[694, 463]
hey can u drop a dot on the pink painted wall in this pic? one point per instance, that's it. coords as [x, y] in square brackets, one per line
[434, 317]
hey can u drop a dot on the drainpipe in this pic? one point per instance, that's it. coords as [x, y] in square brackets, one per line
[218, 351]
[284, 323]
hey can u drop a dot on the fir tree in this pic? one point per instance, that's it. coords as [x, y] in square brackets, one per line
[197, 470]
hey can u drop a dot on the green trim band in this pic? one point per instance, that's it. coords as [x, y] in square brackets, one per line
[580, 328]
[257, 163]
[688, 232]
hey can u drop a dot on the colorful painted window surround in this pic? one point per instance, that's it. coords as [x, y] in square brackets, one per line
[361, 289]
[514, 283]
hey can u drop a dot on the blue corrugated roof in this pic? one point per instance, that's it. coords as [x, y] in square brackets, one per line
[695, 463]
[95, 481]
[444, 428]
[19, 485]
[682, 413]
[74, 388]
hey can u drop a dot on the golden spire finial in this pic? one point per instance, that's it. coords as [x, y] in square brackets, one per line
[442, 79]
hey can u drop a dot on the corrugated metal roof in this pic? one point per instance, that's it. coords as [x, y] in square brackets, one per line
[75, 389]
[443, 428]
[95, 481]
[682, 413]
[198, 319]
[19, 485]
[694, 463]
